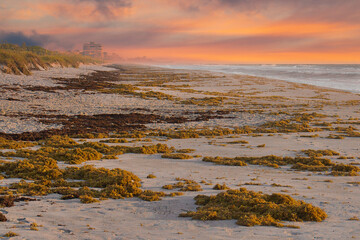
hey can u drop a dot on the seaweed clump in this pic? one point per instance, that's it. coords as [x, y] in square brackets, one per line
[11, 234]
[150, 196]
[59, 141]
[87, 183]
[2, 217]
[184, 185]
[11, 144]
[116, 183]
[313, 164]
[225, 161]
[345, 170]
[176, 156]
[250, 208]
[38, 188]
[117, 150]
[220, 187]
[298, 123]
[207, 101]
[8, 200]
[115, 140]
[320, 153]
[69, 155]
[63, 148]
[185, 150]
[87, 199]
[37, 168]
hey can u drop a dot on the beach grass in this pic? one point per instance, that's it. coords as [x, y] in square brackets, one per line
[18, 60]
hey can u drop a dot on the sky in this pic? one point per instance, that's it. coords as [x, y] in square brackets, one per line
[192, 31]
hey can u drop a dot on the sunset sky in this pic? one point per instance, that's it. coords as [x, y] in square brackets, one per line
[192, 31]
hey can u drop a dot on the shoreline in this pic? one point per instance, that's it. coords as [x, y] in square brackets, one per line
[257, 75]
[188, 110]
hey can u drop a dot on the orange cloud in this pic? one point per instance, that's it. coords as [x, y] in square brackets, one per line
[197, 30]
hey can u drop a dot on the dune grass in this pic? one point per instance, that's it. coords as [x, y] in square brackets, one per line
[18, 60]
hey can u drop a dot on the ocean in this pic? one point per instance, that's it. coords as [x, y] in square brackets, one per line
[338, 76]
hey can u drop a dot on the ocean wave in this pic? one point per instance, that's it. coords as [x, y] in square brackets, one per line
[339, 76]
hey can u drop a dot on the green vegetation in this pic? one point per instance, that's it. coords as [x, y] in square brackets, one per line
[251, 208]
[22, 59]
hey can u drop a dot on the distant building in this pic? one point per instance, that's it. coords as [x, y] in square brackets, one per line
[92, 49]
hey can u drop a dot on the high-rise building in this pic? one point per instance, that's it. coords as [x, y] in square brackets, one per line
[92, 49]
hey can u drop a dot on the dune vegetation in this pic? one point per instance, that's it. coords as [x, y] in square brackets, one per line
[18, 60]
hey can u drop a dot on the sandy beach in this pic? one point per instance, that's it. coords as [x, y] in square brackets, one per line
[202, 113]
